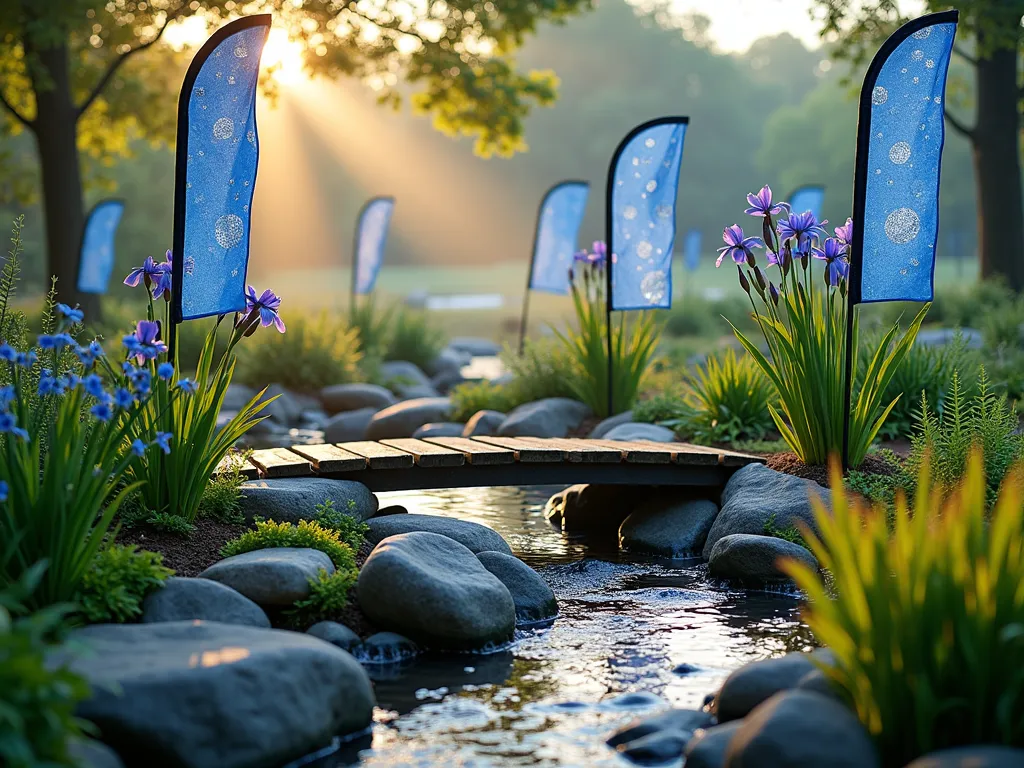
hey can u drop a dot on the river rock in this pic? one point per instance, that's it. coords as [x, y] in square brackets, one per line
[603, 427]
[478, 538]
[439, 429]
[708, 746]
[288, 500]
[656, 748]
[387, 648]
[394, 509]
[89, 753]
[448, 360]
[801, 729]
[195, 694]
[668, 528]
[415, 391]
[474, 346]
[483, 423]
[353, 397]
[286, 410]
[446, 381]
[674, 720]
[754, 560]
[336, 634]
[754, 494]
[402, 371]
[402, 419]
[532, 596]
[754, 683]
[551, 417]
[237, 397]
[974, 756]
[653, 433]
[183, 599]
[271, 577]
[435, 591]
[595, 507]
[348, 426]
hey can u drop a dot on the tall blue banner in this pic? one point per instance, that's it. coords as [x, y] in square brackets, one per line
[899, 154]
[691, 250]
[216, 156]
[96, 256]
[808, 198]
[558, 225]
[641, 214]
[371, 236]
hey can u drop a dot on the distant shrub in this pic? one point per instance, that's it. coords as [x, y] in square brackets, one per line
[328, 596]
[414, 339]
[925, 617]
[306, 534]
[37, 699]
[662, 406]
[222, 497]
[350, 529]
[545, 369]
[472, 396]
[317, 351]
[119, 580]
[372, 326]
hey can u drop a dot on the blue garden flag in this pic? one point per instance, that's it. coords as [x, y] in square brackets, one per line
[215, 173]
[899, 153]
[808, 198]
[691, 250]
[371, 235]
[558, 225]
[642, 183]
[96, 257]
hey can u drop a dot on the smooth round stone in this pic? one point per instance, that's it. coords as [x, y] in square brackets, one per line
[353, 397]
[668, 528]
[336, 634]
[288, 500]
[756, 682]
[533, 598]
[387, 648]
[184, 599]
[271, 577]
[478, 538]
[974, 756]
[551, 417]
[754, 560]
[483, 423]
[708, 746]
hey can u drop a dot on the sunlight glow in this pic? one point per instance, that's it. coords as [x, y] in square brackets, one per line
[282, 57]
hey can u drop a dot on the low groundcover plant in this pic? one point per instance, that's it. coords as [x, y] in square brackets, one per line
[804, 328]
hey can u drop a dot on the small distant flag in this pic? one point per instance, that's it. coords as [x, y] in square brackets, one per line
[691, 250]
[96, 257]
[808, 198]
[371, 236]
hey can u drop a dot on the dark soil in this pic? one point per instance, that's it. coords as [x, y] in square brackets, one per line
[585, 427]
[188, 555]
[791, 465]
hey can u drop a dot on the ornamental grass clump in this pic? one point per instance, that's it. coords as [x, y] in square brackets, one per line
[173, 482]
[803, 322]
[633, 344]
[927, 622]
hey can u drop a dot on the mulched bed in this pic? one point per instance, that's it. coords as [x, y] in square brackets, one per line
[789, 463]
[188, 555]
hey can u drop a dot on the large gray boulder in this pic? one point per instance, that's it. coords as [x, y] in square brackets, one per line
[435, 591]
[708, 746]
[348, 426]
[603, 427]
[183, 599]
[756, 682]
[755, 560]
[271, 577]
[404, 372]
[402, 419]
[551, 417]
[288, 500]
[478, 538]
[974, 756]
[668, 528]
[286, 410]
[484, 423]
[532, 596]
[649, 432]
[475, 347]
[195, 694]
[801, 729]
[439, 429]
[237, 397]
[755, 494]
[352, 397]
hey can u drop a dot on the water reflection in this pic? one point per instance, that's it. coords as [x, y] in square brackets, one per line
[551, 700]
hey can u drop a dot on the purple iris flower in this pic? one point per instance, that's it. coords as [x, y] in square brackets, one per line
[844, 234]
[761, 203]
[834, 256]
[266, 305]
[581, 256]
[146, 344]
[149, 272]
[803, 228]
[737, 246]
[164, 278]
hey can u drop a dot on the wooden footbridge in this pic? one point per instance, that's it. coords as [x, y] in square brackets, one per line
[457, 462]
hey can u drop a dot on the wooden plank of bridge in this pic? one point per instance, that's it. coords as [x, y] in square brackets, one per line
[739, 459]
[246, 469]
[525, 451]
[638, 451]
[330, 458]
[380, 456]
[280, 462]
[476, 453]
[579, 450]
[427, 454]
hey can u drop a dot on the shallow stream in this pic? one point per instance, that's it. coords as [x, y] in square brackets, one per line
[626, 628]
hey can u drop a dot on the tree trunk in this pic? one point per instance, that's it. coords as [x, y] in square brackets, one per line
[55, 130]
[996, 149]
